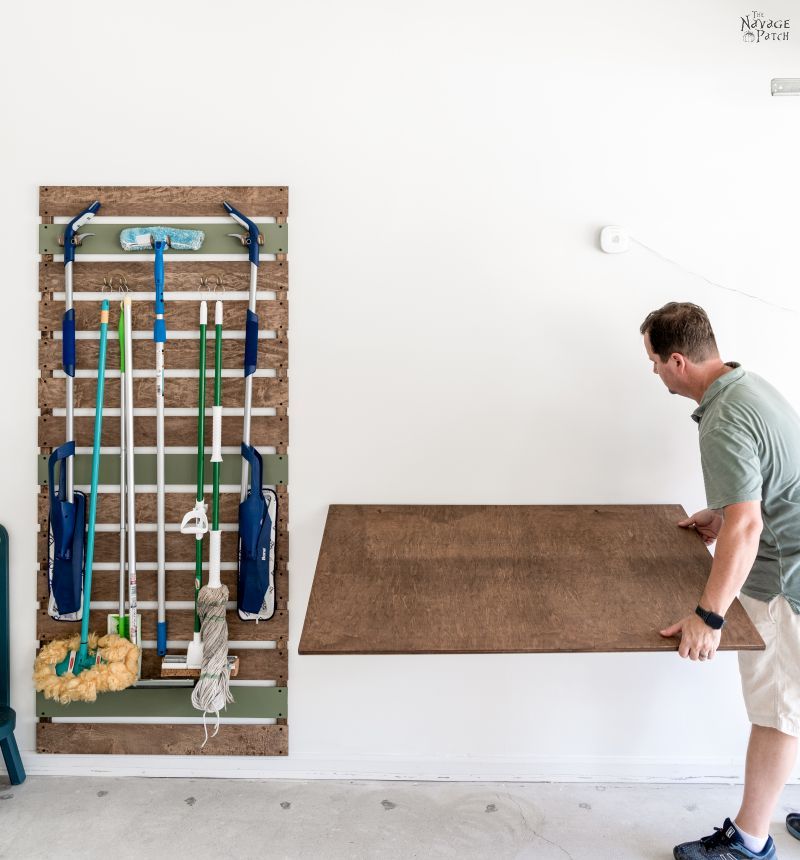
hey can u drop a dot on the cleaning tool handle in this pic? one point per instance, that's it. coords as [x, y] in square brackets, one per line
[68, 343]
[159, 326]
[121, 335]
[251, 343]
[213, 559]
[250, 226]
[98, 432]
[216, 434]
[72, 228]
[253, 457]
[61, 453]
[161, 637]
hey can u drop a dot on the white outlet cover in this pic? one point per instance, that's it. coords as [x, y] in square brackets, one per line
[614, 240]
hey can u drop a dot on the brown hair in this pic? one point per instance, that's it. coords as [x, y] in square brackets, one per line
[680, 327]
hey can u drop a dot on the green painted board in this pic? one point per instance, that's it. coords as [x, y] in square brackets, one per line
[178, 468]
[106, 239]
[252, 702]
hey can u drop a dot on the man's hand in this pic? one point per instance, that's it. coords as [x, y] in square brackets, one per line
[707, 524]
[698, 640]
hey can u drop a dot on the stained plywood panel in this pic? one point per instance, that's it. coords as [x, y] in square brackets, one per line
[430, 579]
[87, 276]
[167, 200]
[144, 739]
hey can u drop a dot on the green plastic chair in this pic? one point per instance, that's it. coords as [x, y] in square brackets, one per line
[8, 719]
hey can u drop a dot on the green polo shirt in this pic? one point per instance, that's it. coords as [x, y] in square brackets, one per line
[750, 451]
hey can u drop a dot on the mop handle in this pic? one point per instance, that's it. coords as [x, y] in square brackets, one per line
[201, 453]
[121, 335]
[98, 428]
[216, 440]
[130, 475]
[72, 228]
[160, 338]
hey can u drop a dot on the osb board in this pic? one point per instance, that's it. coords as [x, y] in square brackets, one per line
[180, 625]
[164, 200]
[145, 739]
[255, 664]
[178, 429]
[178, 354]
[175, 506]
[439, 579]
[181, 315]
[267, 391]
[87, 276]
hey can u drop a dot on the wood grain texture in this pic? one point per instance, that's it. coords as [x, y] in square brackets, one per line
[507, 579]
[178, 430]
[262, 664]
[186, 275]
[273, 315]
[179, 547]
[165, 200]
[175, 506]
[267, 392]
[180, 585]
[180, 625]
[178, 354]
[145, 739]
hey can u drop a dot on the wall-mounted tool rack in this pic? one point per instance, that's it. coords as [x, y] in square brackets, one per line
[152, 720]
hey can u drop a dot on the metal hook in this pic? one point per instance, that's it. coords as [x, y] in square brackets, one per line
[123, 283]
[108, 284]
[244, 238]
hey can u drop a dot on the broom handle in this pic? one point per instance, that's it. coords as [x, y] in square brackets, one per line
[98, 429]
[160, 337]
[121, 335]
[130, 476]
[201, 454]
[216, 453]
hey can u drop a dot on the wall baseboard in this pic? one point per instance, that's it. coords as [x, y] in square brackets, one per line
[308, 766]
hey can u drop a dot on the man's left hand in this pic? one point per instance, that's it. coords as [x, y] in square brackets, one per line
[698, 640]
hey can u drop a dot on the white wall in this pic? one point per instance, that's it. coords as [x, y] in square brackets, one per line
[449, 166]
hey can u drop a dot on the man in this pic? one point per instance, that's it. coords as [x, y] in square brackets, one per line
[750, 454]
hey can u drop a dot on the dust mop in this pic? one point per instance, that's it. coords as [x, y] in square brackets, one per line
[67, 507]
[258, 505]
[212, 692]
[100, 663]
[158, 239]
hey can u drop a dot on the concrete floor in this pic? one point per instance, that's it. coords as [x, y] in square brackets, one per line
[98, 817]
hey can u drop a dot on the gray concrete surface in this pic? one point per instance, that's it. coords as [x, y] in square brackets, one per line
[97, 817]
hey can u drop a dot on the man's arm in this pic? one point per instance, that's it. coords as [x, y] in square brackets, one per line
[737, 545]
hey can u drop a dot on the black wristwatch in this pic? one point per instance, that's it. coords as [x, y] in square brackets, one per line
[711, 618]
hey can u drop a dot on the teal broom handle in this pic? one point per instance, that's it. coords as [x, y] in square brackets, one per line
[98, 428]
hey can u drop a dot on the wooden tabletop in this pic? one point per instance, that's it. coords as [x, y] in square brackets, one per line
[468, 579]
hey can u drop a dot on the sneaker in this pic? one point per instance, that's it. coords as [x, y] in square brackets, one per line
[793, 824]
[724, 844]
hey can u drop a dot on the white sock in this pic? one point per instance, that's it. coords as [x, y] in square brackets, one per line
[752, 843]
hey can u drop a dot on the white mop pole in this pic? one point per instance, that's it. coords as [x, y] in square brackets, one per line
[133, 623]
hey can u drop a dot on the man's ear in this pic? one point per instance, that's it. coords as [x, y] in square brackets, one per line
[680, 360]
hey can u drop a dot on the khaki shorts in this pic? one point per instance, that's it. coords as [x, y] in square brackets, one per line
[771, 678]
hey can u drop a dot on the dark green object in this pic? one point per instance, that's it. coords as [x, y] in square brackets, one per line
[179, 468]
[253, 702]
[8, 719]
[105, 239]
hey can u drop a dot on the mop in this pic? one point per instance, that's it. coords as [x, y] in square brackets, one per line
[212, 692]
[119, 623]
[80, 667]
[130, 483]
[158, 239]
[258, 505]
[67, 507]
